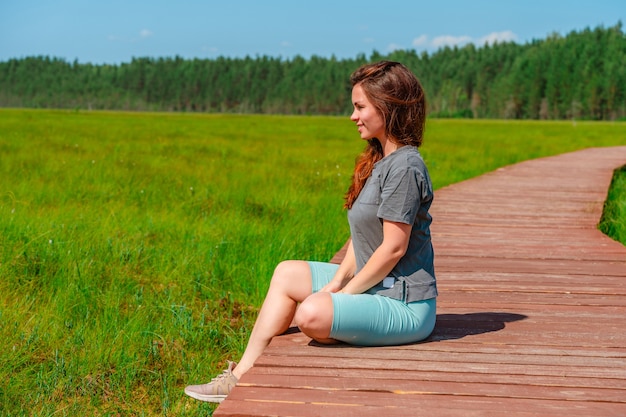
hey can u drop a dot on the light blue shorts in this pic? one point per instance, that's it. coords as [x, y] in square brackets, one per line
[374, 320]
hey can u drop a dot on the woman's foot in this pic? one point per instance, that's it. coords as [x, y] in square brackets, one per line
[216, 390]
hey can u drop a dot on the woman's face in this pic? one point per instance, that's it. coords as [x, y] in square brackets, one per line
[368, 121]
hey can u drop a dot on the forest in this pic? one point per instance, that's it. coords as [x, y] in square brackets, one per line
[580, 75]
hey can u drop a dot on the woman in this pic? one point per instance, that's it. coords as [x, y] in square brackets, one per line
[383, 293]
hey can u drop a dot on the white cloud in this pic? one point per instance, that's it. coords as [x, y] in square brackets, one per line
[424, 42]
[145, 33]
[449, 40]
[421, 41]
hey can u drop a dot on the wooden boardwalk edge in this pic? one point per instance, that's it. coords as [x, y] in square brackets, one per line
[531, 312]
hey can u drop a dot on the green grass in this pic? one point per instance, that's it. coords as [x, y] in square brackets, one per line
[613, 221]
[135, 249]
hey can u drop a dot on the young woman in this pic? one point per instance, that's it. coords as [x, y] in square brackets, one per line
[383, 293]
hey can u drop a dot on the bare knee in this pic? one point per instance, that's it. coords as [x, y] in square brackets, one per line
[315, 316]
[292, 278]
[286, 269]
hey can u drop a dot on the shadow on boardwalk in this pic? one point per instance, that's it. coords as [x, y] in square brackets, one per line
[458, 326]
[450, 326]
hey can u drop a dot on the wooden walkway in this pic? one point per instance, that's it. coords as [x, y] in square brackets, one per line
[531, 315]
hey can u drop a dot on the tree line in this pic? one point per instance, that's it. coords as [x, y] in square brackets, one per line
[581, 75]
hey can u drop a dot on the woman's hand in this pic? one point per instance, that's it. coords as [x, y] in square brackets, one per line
[332, 286]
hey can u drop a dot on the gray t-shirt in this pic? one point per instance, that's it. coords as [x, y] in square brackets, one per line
[398, 190]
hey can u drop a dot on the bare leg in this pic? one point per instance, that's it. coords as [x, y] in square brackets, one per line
[315, 317]
[291, 284]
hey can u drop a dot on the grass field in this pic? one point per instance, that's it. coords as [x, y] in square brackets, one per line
[136, 248]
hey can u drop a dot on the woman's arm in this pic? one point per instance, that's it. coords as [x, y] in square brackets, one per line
[395, 243]
[345, 272]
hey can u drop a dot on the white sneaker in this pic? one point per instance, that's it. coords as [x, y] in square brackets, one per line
[216, 390]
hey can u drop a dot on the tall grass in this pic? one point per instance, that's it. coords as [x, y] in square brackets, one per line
[135, 249]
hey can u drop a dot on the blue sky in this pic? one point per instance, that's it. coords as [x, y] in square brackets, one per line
[114, 31]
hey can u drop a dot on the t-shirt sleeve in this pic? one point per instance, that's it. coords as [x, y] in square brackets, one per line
[400, 196]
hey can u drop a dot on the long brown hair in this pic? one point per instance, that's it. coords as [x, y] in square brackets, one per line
[398, 96]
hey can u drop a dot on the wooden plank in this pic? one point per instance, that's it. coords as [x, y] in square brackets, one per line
[530, 314]
[445, 262]
[564, 382]
[529, 299]
[615, 367]
[416, 365]
[350, 403]
[407, 386]
[507, 349]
